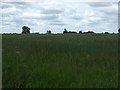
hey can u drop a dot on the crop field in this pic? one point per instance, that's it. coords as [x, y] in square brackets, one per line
[60, 61]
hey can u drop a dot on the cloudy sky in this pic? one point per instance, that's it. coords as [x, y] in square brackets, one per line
[56, 15]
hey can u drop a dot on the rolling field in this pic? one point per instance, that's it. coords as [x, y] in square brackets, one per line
[60, 61]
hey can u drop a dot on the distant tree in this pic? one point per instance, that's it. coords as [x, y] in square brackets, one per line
[36, 32]
[65, 31]
[119, 30]
[106, 32]
[25, 30]
[80, 31]
[48, 31]
[88, 32]
[72, 32]
[14, 33]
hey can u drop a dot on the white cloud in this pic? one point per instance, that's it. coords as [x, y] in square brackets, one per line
[56, 15]
[61, 1]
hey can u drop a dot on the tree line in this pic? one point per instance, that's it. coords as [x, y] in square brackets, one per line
[26, 30]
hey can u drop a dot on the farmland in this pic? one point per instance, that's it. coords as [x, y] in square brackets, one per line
[60, 61]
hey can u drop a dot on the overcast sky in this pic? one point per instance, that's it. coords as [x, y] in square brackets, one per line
[55, 15]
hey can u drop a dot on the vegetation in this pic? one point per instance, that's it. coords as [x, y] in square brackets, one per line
[25, 30]
[89, 32]
[60, 61]
[119, 30]
[106, 33]
[65, 31]
[80, 31]
[48, 31]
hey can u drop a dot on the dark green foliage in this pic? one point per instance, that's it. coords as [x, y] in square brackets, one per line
[60, 61]
[106, 33]
[25, 30]
[119, 30]
[36, 32]
[88, 32]
[72, 32]
[65, 31]
[80, 31]
[48, 31]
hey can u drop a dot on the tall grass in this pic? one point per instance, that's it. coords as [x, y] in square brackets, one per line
[60, 61]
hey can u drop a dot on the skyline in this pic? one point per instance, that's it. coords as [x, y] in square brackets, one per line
[55, 16]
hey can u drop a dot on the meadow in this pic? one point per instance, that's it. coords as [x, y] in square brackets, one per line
[60, 61]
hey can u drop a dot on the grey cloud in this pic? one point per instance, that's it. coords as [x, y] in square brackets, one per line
[107, 14]
[49, 17]
[8, 15]
[24, 21]
[16, 9]
[19, 22]
[3, 6]
[15, 5]
[16, 20]
[99, 4]
[111, 12]
[119, 14]
[111, 19]
[9, 22]
[108, 11]
[57, 22]
[10, 10]
[5, 24]
[51, 11]
[61, 24]
[91, 24]
[77, 18]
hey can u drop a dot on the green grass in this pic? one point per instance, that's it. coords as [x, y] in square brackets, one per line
[60, 61]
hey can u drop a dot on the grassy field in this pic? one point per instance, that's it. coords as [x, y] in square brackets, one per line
[60, 61]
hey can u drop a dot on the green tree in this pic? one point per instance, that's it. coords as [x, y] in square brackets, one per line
[25, 30]
[80, 31]
[48, 31]
[65, 31]
[119, 30]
